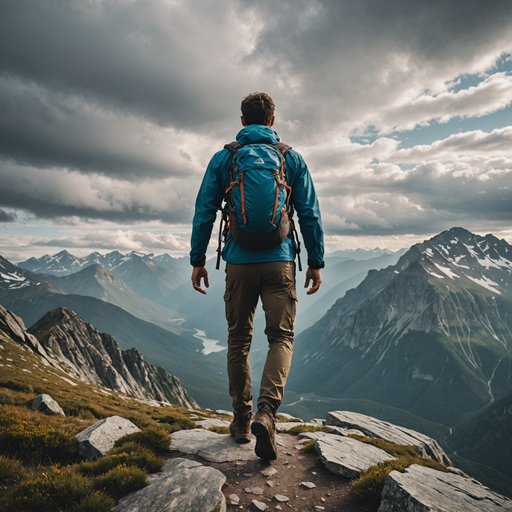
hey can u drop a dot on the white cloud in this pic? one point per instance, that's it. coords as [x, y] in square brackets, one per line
[492, 94]
[497, 143]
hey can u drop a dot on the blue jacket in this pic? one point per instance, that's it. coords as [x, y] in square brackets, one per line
[303, 199]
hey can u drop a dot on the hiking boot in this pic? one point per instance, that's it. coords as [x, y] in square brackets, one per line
[240, 428]
[264, 428]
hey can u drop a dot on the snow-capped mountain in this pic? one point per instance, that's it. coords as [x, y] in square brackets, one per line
[431, 334]
[152, 277]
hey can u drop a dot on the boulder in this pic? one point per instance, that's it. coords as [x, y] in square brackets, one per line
[99, 439]
[377, 429]
[212, 446]
[346, 456]
[45, 403]
[181, 486]
[421, 489]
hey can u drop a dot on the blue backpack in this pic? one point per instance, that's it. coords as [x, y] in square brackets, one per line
[256, 211]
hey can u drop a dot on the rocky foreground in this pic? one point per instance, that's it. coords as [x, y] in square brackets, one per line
[195, 479]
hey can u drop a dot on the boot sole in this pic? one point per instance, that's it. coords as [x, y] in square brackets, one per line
[264, 448]
[242, 440]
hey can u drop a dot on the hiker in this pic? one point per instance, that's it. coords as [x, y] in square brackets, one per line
[262, 182]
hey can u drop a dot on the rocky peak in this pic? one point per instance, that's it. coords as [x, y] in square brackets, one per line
[93, 357]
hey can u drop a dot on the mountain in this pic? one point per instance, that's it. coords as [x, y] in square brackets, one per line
[431, 334]
[179, 354]
[67, 343]
[95, 281]
[358, 254]
[485, 436]
[152, 277]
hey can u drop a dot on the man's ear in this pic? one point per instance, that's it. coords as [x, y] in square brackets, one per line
[272, 121]
[243, 120]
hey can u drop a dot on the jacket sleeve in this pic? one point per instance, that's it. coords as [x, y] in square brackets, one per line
[305, 202]
[208, 201]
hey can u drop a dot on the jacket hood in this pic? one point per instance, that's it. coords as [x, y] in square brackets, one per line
[257, 133]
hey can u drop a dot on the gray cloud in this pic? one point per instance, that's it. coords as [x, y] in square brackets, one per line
[52, 194]
[110, 110]
[7, 216]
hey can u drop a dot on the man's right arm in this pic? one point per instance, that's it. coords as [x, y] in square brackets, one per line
[208, 201]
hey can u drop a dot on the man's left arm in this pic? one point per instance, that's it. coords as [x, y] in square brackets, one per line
[305, 202]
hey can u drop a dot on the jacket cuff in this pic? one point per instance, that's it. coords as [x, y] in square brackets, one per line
[199, 263]
[315, 265]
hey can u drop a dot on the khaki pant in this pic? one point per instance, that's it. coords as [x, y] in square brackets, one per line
[274, 282]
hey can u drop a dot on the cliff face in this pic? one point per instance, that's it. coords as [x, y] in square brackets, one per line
[431, 334]
[72, 344]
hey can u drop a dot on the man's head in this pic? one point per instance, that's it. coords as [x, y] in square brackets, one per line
[258, 108]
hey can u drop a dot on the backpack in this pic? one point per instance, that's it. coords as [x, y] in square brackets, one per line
[256, 211]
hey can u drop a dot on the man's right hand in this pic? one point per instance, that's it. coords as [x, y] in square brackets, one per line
[313, 274]
[197, 274]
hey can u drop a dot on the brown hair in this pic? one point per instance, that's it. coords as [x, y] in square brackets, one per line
[258, 108]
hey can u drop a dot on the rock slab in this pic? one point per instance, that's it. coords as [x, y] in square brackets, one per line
[346, 456]
[45, 403]
[181, 486]
[421, 489]
[211, 446]
[377, 429]
[99, 439]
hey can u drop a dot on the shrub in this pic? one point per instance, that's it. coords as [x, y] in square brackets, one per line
[96, 501]
[9, 467]
[140, 422]
[16, 386]
[154, 439]
[178, 422]
[53, 491]
[120, 481]
[38, 443]
[298, 429]
[369, 485]
[130, 454]
[309, 446]
[6, 399]
[219, 430]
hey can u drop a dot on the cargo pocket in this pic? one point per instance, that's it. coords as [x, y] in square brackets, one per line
[227, 305]
[293, 302]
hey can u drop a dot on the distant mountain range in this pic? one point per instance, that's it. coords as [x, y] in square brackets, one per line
[431, 334]
[152, 277]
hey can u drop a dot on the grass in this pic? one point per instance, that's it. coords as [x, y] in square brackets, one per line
[39, 465]
[299, 429]
[309, 446]
[9, 467]
[368, 487]
[219, 430]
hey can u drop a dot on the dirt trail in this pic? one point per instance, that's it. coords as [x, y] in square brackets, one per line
[293, 467]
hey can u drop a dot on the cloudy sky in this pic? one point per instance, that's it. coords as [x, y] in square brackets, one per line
[111, 109]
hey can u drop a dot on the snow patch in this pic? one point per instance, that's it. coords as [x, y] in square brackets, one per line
[485, 283]
[446, 271]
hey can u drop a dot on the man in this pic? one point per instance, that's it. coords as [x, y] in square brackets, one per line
[250, 274]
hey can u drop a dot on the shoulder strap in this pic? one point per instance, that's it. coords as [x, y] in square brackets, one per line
[283, 147]
[233, 147]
